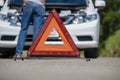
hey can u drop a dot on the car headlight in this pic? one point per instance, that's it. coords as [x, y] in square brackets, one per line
[68, 19]
[82, 19]
[13, 20]
[91, 17]
[78, 19]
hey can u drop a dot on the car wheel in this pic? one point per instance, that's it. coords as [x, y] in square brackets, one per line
[91, 53]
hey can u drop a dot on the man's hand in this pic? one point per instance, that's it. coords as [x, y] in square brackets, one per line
[25, 1]
[42, 1]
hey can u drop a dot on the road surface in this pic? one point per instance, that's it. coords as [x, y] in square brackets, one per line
[60, 69]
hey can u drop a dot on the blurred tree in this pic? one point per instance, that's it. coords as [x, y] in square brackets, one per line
[110, 20]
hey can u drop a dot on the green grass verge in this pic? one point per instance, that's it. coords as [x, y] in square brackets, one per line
[112, 46]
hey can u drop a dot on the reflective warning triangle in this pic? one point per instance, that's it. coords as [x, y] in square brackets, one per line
[39, 46]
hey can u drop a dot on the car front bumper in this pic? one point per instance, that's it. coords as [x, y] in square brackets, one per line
[85, 35]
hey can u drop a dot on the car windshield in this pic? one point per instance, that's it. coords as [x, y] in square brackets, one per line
[66, 4]
[80, 2]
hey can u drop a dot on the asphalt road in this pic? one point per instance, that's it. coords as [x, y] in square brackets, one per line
[60, 69]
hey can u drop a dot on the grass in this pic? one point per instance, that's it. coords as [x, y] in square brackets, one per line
[112, 46]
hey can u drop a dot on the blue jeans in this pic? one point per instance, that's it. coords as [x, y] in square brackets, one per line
[30, 11]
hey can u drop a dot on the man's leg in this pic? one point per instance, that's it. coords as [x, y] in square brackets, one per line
[39, 13]
[27, 12]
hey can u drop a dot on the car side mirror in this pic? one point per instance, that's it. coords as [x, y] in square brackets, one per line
[100, 4]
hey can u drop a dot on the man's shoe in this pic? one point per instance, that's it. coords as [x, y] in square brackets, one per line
[17, 56]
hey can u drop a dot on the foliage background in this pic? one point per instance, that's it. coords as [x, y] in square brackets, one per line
[109, 45]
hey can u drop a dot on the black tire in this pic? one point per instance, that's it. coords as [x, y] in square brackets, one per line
[91, 53]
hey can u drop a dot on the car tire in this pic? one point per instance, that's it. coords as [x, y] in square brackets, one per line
[91, 53]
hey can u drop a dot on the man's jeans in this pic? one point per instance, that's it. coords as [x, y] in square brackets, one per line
[30, 11]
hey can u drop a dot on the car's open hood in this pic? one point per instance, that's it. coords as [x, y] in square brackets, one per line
[56, 4]
[65, 4]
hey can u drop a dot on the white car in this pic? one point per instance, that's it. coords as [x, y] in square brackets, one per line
[80, 18]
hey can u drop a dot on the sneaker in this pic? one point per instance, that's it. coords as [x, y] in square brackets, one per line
[17, 56]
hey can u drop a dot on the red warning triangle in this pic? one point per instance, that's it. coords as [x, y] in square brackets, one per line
[39, 48]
